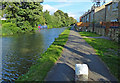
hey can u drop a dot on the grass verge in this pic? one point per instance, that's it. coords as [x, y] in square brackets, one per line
[89, 34]
[38, 71]
[107, 50]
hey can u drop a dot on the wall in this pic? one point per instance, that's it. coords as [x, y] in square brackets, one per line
[119, 11]
[119, 19]
[111, 13]
[113, 32]
[99, 14]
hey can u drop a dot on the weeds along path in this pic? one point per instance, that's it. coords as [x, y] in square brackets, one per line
[77, 51]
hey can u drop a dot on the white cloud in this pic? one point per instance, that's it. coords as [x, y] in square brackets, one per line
[62, 5]
[72, 15]
[49, 8]
[54, 9]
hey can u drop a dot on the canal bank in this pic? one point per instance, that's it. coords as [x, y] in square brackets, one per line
[20, 52]
[38, 71]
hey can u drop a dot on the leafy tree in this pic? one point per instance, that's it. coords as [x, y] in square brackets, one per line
[27, 15]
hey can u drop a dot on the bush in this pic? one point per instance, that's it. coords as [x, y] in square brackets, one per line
[10, 28]
[49, 26]
[26, 27]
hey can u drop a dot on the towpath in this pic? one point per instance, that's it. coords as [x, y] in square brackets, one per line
[77, 51]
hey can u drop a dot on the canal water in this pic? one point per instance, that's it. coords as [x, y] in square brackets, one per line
[21, 51]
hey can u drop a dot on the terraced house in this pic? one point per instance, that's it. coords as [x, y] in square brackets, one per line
[104, 20]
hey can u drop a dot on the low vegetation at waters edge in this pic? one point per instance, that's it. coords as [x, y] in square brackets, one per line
[26, 16]
[38, 71]
[89, 34]
[107, 50]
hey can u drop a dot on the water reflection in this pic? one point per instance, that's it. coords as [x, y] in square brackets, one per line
[21, 51]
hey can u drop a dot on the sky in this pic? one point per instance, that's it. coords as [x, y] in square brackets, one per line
[74, 8]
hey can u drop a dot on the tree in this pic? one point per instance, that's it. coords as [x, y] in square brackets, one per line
[23, 14]
[27, 15]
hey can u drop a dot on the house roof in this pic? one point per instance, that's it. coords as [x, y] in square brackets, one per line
[97, 8]
[108, 3]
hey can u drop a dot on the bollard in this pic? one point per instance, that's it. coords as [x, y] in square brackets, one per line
[81, 72]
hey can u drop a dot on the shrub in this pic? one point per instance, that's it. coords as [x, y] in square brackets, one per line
[10, 28]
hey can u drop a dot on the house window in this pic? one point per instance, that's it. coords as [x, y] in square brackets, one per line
[87, 18]
[108, 7]
[115, 6]
[84, 19]
[91, 16]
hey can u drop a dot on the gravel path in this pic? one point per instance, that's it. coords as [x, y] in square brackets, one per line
[77, 51]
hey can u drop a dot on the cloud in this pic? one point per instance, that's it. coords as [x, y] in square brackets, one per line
[49, 8]
[72, 15]
[54, 9]
[62, 5]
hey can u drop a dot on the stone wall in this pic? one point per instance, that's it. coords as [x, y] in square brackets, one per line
[90, 29]
[100, 31]
[113, 32]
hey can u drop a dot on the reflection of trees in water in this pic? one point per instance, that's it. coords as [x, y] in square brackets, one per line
[24, 52]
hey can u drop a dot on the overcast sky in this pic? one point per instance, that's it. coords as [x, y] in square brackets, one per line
[74, 8]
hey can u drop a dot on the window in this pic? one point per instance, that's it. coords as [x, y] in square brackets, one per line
[91, 16]
[115, 6]
[108, 7]
[87, 17]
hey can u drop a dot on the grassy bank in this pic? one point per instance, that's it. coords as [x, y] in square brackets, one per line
[107, 51]
[89, 34]
[38, 71]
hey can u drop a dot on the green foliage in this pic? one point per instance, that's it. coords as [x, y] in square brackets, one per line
[11, 10]
[41, 20]
[59, 19]
[26, 27]
[27, 15]
[38, 71]
[107, 51]
[9, 29]
[89, 34]
[0, 12]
